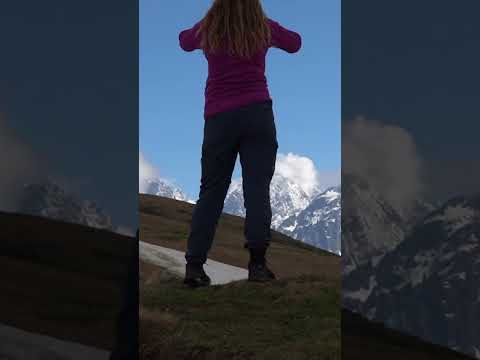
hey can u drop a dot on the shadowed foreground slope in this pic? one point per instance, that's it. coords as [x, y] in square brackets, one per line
[295, 317]
[61, 280]
[363, 339]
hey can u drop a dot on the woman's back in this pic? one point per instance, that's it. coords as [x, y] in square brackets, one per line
[233, 80]
[235, 36]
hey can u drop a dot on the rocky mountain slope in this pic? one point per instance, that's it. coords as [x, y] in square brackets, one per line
[428, 285]
[371, 225]
[312, 218]
[319, 223]
[424, 281]
[50, 200]
[161, 187]
[286, 197]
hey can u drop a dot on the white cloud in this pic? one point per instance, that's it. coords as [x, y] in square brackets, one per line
[301, 170]
[18, 165]
[386, 157]
[146, 171]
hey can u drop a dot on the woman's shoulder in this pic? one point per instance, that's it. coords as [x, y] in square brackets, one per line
[272, 22]
[274, 25]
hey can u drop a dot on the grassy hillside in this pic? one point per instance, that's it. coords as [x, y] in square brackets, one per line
[62, 280]
[297, 317]
[166, 222]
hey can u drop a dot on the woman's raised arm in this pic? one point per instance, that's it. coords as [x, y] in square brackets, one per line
[189, 40]
[285, 39]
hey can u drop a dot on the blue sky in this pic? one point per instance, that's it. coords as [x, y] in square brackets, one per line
[305, 87]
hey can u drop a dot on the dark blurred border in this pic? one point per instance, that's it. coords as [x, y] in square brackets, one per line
[69, 179]
[410, 179]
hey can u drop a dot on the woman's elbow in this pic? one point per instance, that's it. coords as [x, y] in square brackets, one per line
[185, 47]
[184, 43]
[297, 45]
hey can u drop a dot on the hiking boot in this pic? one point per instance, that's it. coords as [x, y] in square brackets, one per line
[259, 272]
[195, 276]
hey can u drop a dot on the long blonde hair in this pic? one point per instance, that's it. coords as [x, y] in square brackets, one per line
[239, 26]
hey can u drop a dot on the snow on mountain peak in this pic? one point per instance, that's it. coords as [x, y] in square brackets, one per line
[331, 194]
[312, 218]
[454, 217]
[294, 187]
[299, 170]
[319, 223]
[50, 200]
[286, 198]
[161, 187]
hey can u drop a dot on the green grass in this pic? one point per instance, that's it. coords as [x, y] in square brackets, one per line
[290, 319]
[297, 317]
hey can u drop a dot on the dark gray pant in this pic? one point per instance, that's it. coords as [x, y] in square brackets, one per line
[250, 132]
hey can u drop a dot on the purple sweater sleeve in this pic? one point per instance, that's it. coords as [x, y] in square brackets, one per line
[189, 40]
[285, 39]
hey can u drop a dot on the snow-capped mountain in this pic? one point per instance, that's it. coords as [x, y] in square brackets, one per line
[316, 213]
[286, 197]
[50, 200]
[161, 187]
[371, 225]
[234, 200]
[312, 217]
[372, 228]
[319, 223]
[428, 285]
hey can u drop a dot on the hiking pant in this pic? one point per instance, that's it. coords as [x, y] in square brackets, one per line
[250, 132]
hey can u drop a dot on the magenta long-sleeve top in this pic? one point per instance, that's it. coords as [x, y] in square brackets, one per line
[234, 81]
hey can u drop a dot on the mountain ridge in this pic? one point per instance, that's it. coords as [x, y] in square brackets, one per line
[51, 200]
[319, 223]
[291, 205]
[425, 284]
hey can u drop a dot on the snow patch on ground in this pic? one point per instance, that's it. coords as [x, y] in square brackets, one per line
[174, 261]
[18, 344]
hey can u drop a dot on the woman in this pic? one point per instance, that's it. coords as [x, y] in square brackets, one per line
[235, 36]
